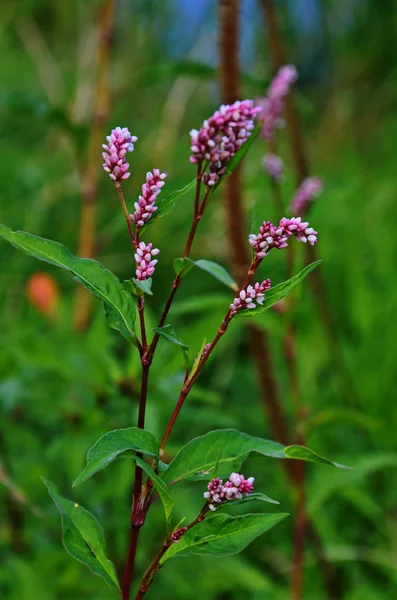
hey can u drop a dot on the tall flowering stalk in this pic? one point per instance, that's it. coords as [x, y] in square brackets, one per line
[209, 456]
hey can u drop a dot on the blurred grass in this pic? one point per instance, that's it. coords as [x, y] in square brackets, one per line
[59, 392]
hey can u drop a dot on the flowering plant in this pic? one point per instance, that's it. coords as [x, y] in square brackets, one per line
[216, 150]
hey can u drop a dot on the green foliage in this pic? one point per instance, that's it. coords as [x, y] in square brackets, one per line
[278, 292]
[222, 535]
[227, 450]
[166, 204]
[161, 488]
[118, 304]
[114, 443]
[184, 266]
[83, 537]
[59, 389]
[167, 332]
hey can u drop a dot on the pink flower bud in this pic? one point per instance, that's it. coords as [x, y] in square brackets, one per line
[144, 260]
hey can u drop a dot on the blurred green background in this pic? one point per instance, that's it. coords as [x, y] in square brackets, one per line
[61, 389]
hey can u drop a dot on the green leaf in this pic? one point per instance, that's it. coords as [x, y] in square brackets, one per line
[278, 292]
[198, 357]
[216, 271]
[302, 453]
[238, 157]
[136, 287]
[229, 448]
[200, 303]
[161, 487]
[197, 460]
[119, 306]
[222, 535]
[83, 537]
[169, 334]
[250, 498]
[167, 203]
[114, 443]
[185, 265]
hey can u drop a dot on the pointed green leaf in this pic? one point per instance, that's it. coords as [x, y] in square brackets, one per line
[167, 203]
[229, 448]
[114, 443]
[278, 292]
[222, 535]
[168, 333]
[250, 498]
[185, 265]
[161, 487]
[198, 458]
[216, 271]
[136, 287]
[83, 536]
[302, 453]
[118, 304]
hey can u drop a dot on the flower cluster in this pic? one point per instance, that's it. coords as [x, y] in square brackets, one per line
[276, 236]
[273, 166]
[234, 489]
[144, 260]
[248, 297]
[272, 105]
[120, 141]
[308, 190]
[221, 136]
[145, 206]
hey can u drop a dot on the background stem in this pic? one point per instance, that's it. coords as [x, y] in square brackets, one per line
[302, 526]
[86, 244]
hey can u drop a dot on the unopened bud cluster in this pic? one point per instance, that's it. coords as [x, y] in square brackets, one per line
[251, 296]
[234, 489]
[221, 136]
[120, 141]
[276, 236]
[144, 260]
[146, 206]
[177, 534]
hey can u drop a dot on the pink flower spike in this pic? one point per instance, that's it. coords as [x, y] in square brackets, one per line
[234, 489]
[144, 260]
[120, 141]
[281, 84]
[221, 136]
[272, 106]
[251, 295]
[273, 166]
[308, 190]
[146, 206]
[272, 236]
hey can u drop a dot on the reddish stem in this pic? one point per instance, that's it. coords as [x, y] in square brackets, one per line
[150, 574]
